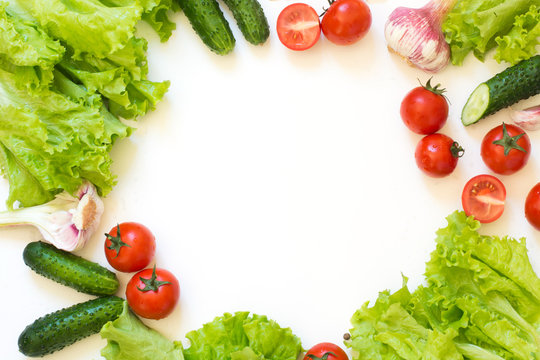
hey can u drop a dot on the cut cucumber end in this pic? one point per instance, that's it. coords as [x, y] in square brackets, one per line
[476, 105]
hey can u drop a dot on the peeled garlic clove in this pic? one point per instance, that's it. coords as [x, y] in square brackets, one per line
[527, 119]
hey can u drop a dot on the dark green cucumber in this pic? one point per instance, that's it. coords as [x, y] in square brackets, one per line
[69, 269]
[515, 83]
[59, 329]
[251, 20]
[208, 21]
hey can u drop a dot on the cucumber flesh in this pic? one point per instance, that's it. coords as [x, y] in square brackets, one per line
[513, 84]
[476, 105]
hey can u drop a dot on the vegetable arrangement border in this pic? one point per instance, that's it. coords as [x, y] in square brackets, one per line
[70, 97]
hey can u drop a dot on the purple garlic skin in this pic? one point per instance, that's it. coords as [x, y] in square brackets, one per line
[527, 119]
[415, 34]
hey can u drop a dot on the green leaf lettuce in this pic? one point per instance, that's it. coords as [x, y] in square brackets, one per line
[129, 339]
[69, 70]
[520, 43]
[51, 142]
[474, 25]
[242, 337]
[481, 301]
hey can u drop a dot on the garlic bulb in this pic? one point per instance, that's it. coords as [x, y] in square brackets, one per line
[527, 119]
[416, 35]
[67, 221]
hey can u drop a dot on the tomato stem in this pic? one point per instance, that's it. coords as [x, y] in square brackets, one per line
[326, 9]
[509, 142]
[434, 89]
[324, 357]
[116, 241]
[456, 150]
[152, 284]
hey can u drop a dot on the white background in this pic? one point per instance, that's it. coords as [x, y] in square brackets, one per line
[279, 182]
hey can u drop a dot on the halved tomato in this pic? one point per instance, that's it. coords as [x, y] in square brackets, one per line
[298, 26]
[483, 197]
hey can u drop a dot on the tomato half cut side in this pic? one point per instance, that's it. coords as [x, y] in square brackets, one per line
[298, 26]
[483, 197]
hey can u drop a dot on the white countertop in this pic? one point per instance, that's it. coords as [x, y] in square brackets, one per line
[279, 182]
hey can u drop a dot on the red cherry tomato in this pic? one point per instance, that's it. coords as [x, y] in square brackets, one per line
[346, 21]
[424, 109]
[532, 207]
[483, 197]
[153, 293]
[298, 26]
[332, 352]
[130, 247]
[437, 155]
[506, 149]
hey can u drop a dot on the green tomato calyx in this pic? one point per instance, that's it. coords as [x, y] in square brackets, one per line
[116, 241]
[152, 284]
[509, 142]
[324, 357]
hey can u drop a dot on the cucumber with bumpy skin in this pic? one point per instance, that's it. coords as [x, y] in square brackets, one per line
[515, 83]
[69, 269]
[251, 20]
[208, 21]
[59, 329]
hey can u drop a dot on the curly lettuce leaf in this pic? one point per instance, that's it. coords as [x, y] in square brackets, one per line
[481, 302]
[88, 26]
[241, 337]
[156, 15]
[246, 354]
[520, 43]
[492, 281]
[27, 51]
[24, 43]
[388, 330]
[129, 339]
[68, 70]
[473, 25]
[53, 141]
[120, 78]
[489, 263]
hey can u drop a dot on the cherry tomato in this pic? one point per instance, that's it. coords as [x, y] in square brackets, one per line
[298, 26]
[129, 247]
[153, 293]
[424, 110]
[437, 155]
[506, 149]
[483, 197]
[331, 351]
[346, 21]
[532, 207]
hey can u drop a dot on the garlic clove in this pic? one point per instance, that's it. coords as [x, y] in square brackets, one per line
[527, 119]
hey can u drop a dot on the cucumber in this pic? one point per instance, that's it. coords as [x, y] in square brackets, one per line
[59, 329]
[251, 20]
[69, 269]
[208, 21]
[515, 83]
